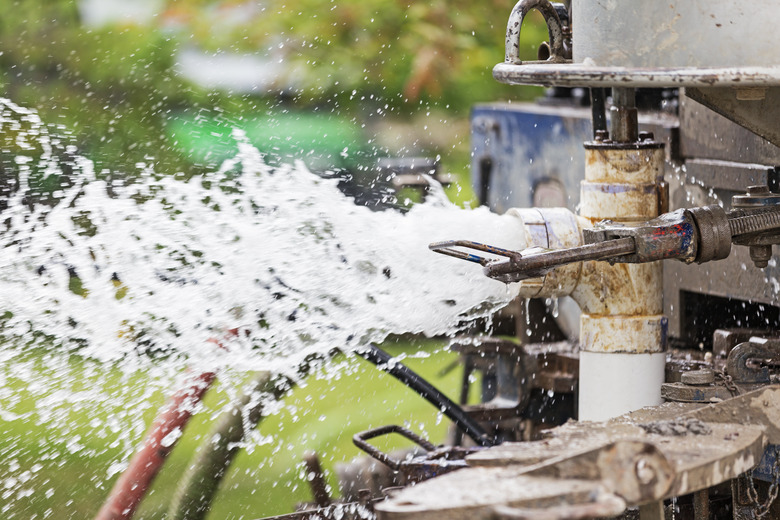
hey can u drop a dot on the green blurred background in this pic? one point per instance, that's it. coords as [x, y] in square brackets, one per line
[164, 82]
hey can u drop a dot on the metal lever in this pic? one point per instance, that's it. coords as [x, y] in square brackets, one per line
[361, 439]
[535, 262]
[532, 262]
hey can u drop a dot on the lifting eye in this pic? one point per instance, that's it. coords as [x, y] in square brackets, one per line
[554, 51]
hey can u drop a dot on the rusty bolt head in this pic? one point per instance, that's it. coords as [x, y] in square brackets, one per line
[646, 136]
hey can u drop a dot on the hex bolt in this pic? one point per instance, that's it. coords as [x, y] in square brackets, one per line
[602, 135]
[761, 255]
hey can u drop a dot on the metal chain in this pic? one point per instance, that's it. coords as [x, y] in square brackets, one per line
[727, 381]
[760, 509]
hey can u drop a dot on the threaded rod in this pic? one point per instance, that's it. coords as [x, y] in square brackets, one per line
[742, 223]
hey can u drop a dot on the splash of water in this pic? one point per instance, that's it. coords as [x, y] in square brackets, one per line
[280, 254]
[143, 275]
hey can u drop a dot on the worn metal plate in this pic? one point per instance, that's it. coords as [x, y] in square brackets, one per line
[697, 461]
[755, 109]
[728, 175]
[473, 493]
[721, 139]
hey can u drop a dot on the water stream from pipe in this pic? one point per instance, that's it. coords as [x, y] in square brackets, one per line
[143, 275]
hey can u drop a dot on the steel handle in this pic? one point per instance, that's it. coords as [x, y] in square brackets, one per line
[361, 438]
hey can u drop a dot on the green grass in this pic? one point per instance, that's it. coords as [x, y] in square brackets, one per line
[321, 415]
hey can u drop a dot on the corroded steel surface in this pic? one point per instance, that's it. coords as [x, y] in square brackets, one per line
[620, 289]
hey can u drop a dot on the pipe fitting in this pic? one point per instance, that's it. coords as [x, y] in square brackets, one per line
[623, 333]
[550, 228]
[714, 232]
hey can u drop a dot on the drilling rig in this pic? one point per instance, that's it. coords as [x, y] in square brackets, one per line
[642, 379]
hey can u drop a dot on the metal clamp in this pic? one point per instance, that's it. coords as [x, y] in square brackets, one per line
[699, 234]
[696, 234]
[554, 29]
[760, 243]
[743, 363]
[360, 441]
[672, 235]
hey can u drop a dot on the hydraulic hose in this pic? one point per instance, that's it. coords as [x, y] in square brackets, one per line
[404, 374]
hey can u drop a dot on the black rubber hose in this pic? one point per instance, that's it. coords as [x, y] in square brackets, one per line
[404, 374]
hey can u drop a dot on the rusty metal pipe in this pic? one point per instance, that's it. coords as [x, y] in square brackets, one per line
[130, 489]
[701, 504]
[622, 327]
[316, 479]
[134, 482]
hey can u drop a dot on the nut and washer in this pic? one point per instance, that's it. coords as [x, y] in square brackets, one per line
[704, 376]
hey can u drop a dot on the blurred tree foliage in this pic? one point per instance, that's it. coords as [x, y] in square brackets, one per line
[111, 88]
[402, 51]
[116, 87]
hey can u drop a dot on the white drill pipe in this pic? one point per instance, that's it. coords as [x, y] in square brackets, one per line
[622, 329]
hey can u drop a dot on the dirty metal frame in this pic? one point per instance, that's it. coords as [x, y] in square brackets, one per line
[598, 469]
